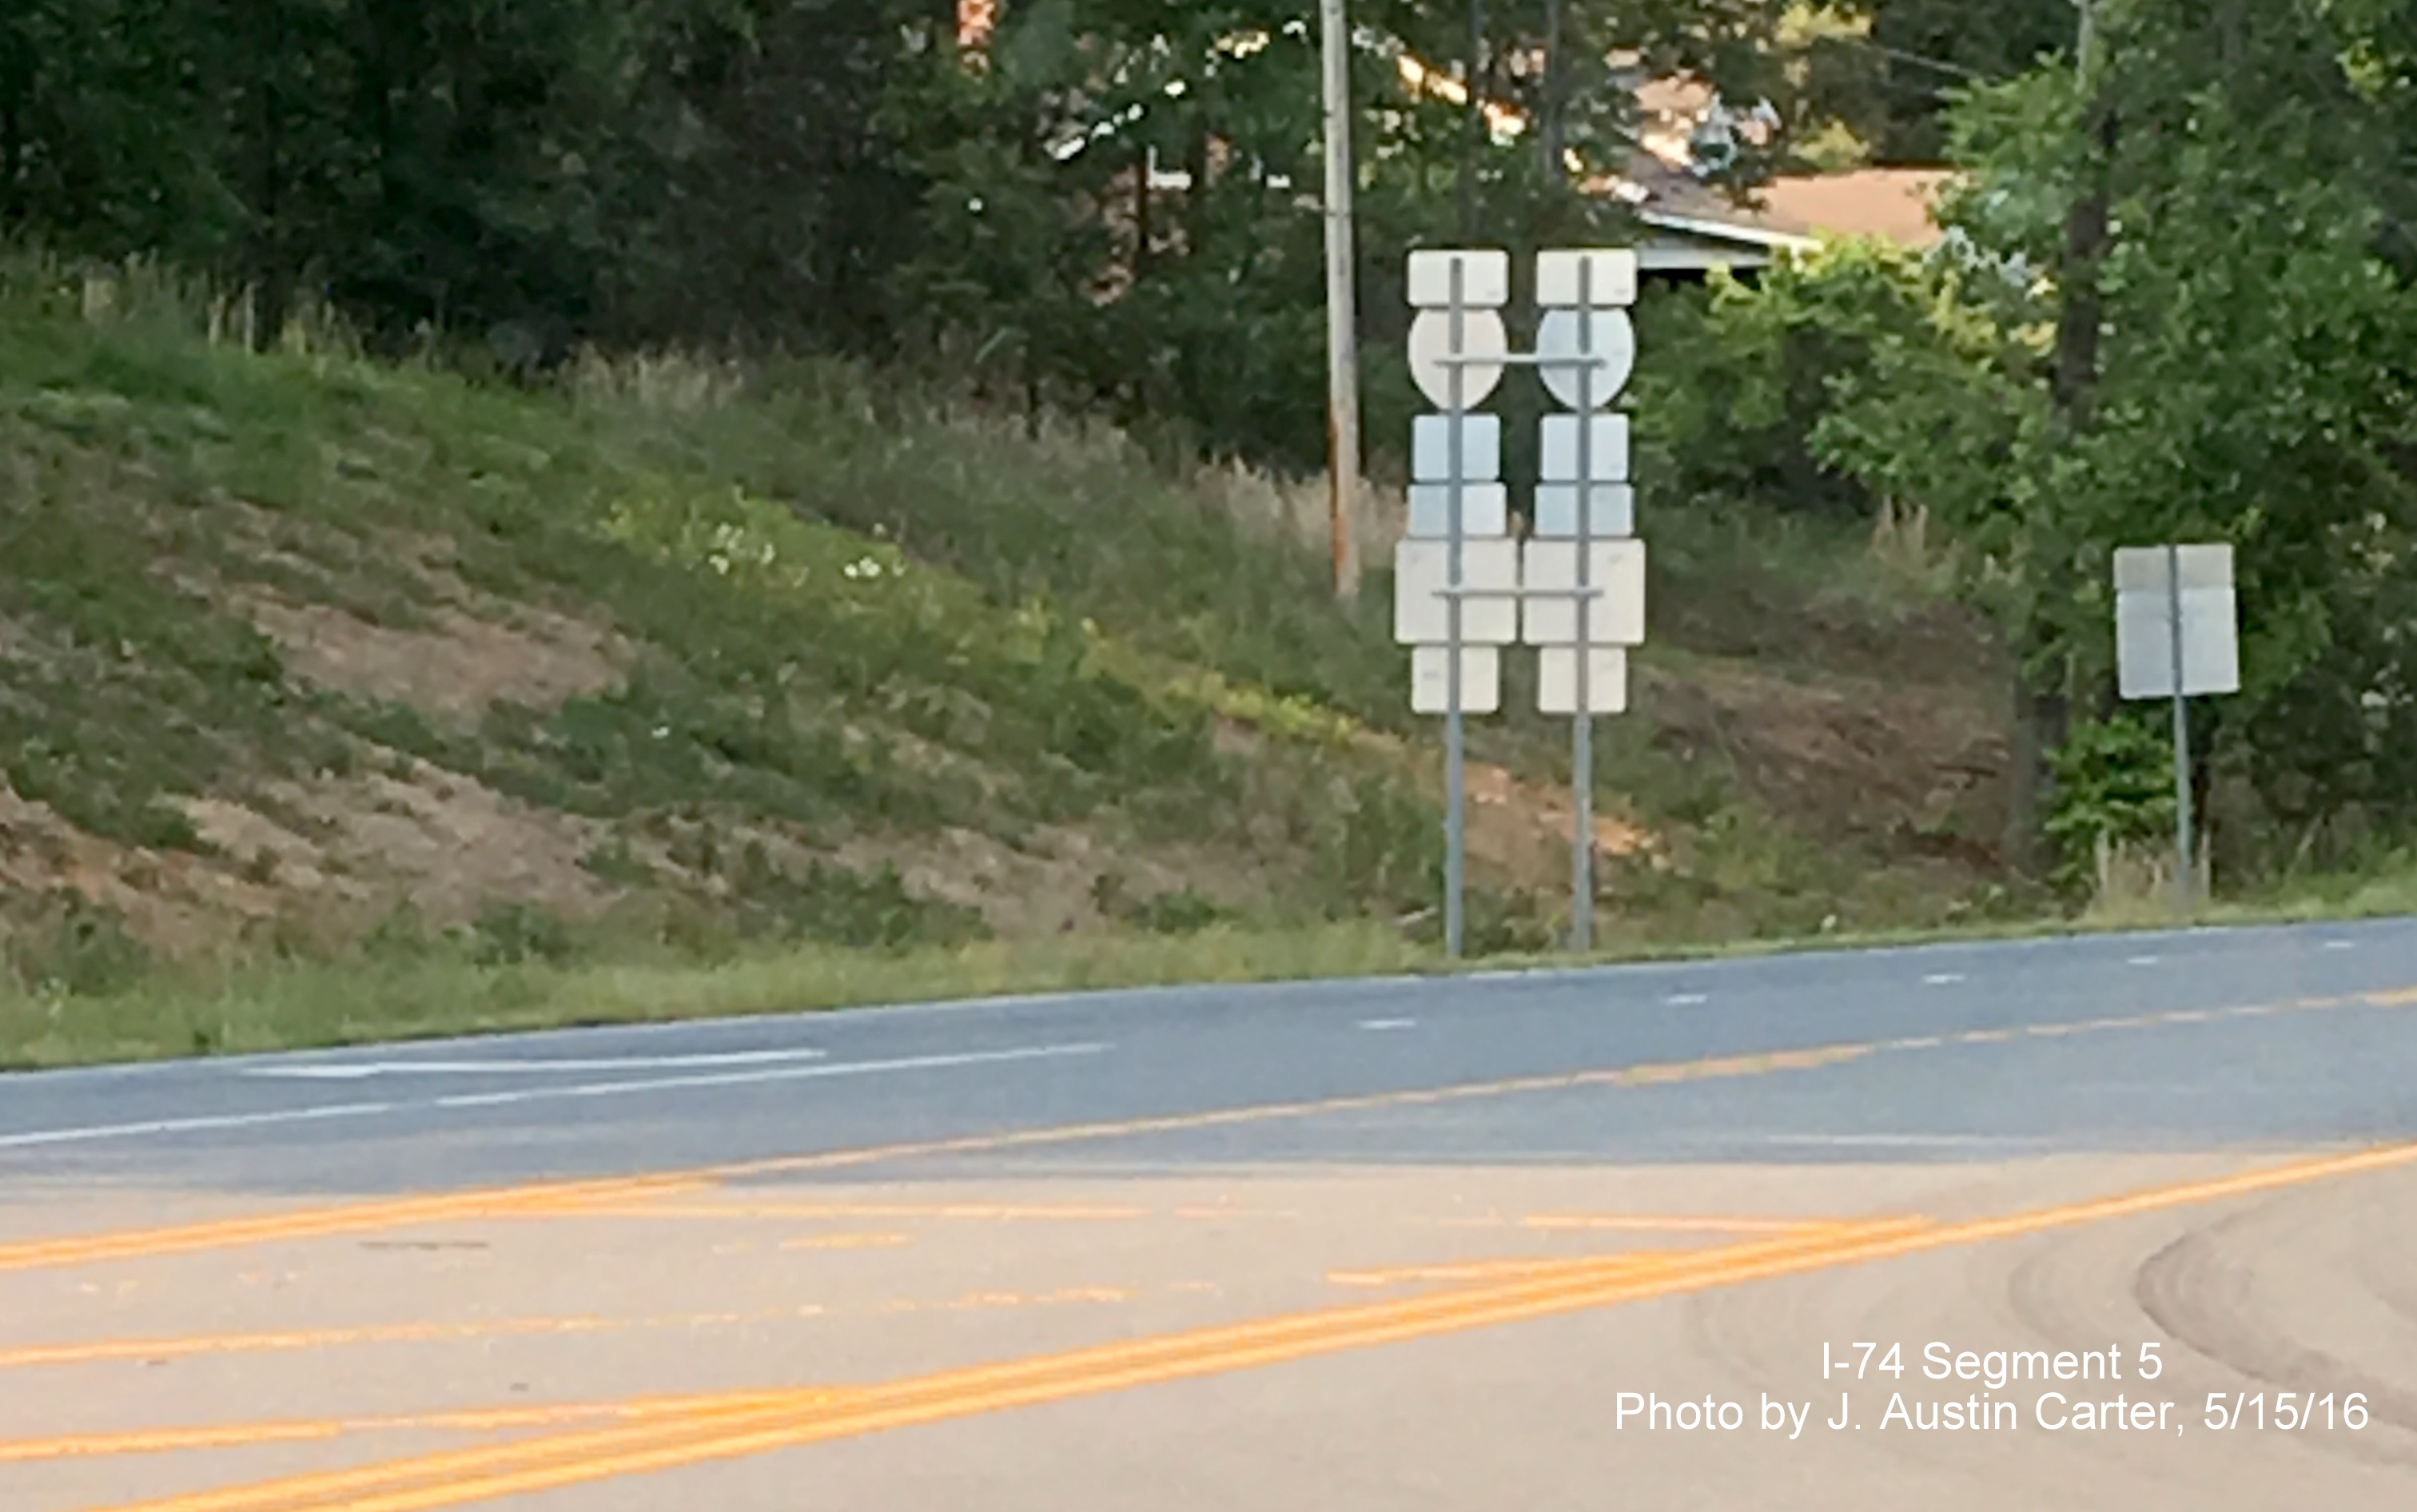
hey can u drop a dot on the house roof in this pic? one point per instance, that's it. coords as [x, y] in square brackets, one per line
[976, 20]
[1893, 204]
[1694, 226]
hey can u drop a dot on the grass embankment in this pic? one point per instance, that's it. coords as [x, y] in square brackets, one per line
[367, 997]
[343, 700]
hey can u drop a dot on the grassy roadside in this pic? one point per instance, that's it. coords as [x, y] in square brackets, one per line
[368, 998]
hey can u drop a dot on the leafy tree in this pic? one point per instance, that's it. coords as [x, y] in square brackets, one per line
[2250, 375]
[106, 145]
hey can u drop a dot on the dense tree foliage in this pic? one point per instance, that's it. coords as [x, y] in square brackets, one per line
[2235, 360]
[2179, 299]
[1111, 203]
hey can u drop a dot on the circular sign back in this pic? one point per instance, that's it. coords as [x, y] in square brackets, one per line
[1612, 341]
[1481, 335]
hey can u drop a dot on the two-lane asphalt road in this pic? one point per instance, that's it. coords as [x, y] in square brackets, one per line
[2124, 1222]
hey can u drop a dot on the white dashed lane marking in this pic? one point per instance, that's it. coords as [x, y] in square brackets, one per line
[154, 1127]
[359, 1070]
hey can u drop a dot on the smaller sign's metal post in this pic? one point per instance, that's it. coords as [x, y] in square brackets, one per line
[2178, 637]
[1454, 780]
[2184, 882]
[1582, 727]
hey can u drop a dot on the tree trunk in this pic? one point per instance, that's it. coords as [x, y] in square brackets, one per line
[1551, 134]
[1142, 233]
[16, 83]
[1473, 148]
[266, 249]
[2048, 710]
[2087, 234]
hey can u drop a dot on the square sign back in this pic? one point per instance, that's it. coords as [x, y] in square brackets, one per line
[2164, 591]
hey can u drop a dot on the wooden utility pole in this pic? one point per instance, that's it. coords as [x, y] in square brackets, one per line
[1551, 134]
[1478, 134]
[1342, 319]
[2087, 228]
[2073, 381]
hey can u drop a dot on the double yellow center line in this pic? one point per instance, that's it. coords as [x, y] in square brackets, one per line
[757, 1423]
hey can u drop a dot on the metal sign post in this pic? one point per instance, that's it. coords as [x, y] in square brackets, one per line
[1456, 586]
[1455, 822]
[2177, 636]
[1582, 549]
[2182, 814]
[1582, 723]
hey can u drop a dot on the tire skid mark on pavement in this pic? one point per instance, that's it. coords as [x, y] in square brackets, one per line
[545, 1200]
[121, 1350]
[1659, 1223]
[811, 1211]
[430, 1482]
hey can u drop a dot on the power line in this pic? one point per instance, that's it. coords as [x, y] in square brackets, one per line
[1901, 56]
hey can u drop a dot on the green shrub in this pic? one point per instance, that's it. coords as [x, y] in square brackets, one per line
[2114, 785]
[62, 944]
[511, 934]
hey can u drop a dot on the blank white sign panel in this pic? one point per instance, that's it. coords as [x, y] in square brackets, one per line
[1484, 276]
[1481, 680]
[1557, 510]
[1481, 449]
[2145, 621]
[2144, 643]
[1485, 509]
[1610, 277]
[1607, 441]
[1422, 608]
[1615, 618]
[1557, 680]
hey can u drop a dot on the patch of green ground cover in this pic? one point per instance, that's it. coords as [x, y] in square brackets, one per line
[1748, 871]
[1076, 516]
[786, 667]
[417, 987]
[121, 692]
[1077, 520]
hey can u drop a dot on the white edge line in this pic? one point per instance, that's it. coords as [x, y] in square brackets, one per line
[352, 1070]
[189, 1125]
[787, 1073]
[595, 1088]
[1894, 1140]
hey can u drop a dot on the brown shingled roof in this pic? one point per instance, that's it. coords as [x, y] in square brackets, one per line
[1891, 203]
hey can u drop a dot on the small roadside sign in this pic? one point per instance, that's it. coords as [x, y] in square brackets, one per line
[2162, 592]
[2177, 636]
